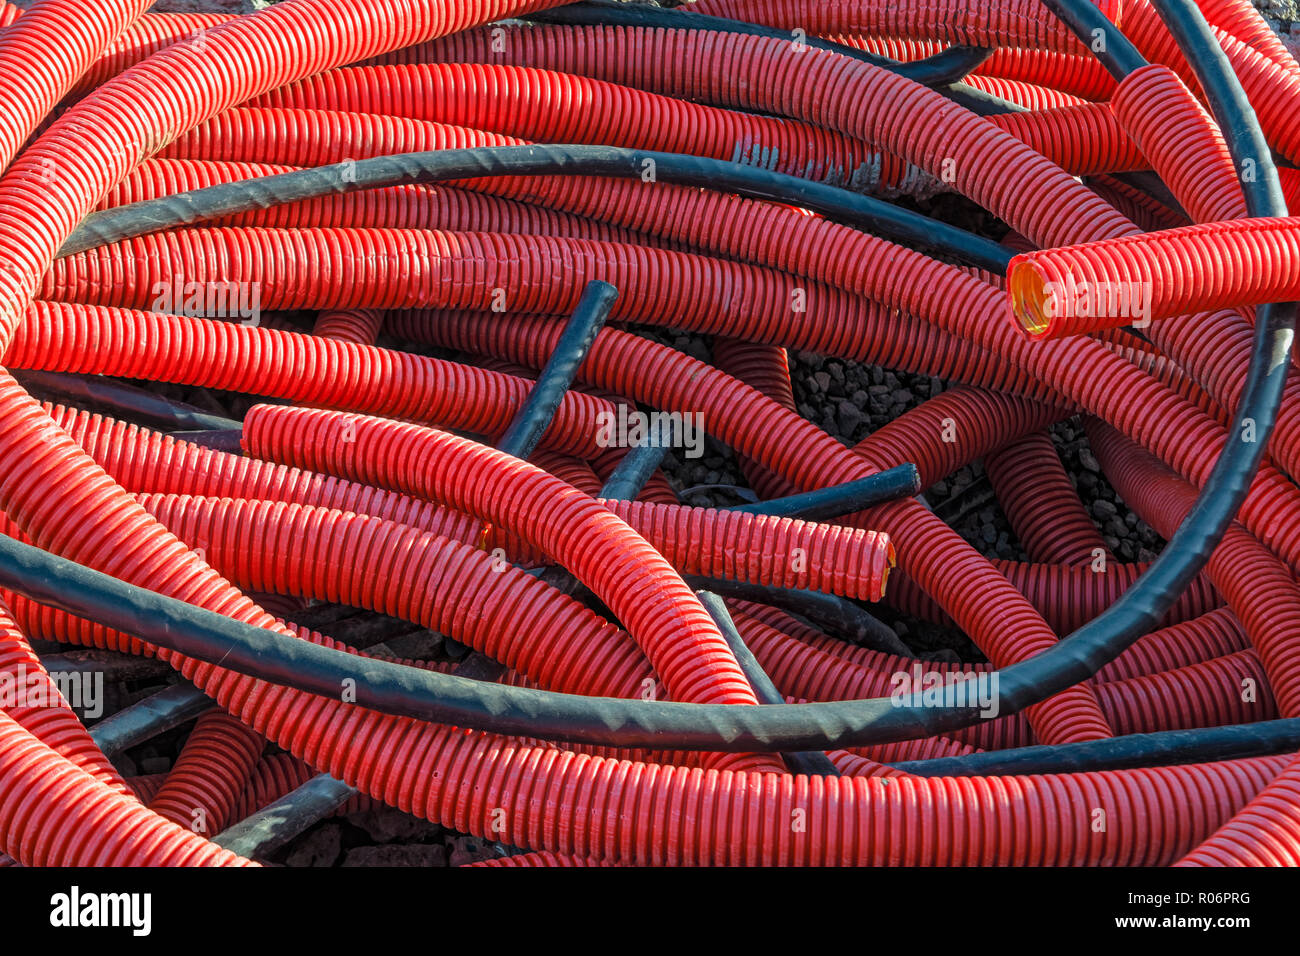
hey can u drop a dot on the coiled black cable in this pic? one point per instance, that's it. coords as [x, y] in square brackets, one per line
[1108, 44]
[1164, 748]
[943, 69]
[872, 215]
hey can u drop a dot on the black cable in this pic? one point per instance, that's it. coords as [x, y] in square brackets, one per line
[534, 416]
[281, 821]
[1140, 608]
[146, 719]
[121, 399]
[1203, 745]
[597, 14]
[633, 471]
[945, 70]
[1108, 44]
[940, 70]
[813, 763]
[830, 612]
[441, 698]
[427, 695]
[838, 500]
[113, 666]
[537, 411]
[1228, 103]
[225, 440]
[872, 215]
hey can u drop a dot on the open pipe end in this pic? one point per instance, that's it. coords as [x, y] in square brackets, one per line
[1032, 303]
[891, 562]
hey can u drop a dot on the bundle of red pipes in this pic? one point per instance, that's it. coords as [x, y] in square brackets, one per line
[357, 485]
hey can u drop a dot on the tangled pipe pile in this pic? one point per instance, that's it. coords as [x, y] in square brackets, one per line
[727, 170]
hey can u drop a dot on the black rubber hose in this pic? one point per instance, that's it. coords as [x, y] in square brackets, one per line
[124, 401]
[831, 613]
[1228, 103]
[1108, 44]
[946, 69]
[441, 698]
[534, 416]
[146, 719]
[633, 471]
[112, 666]
[537, 411]
[1203, 745]
[624, 484]
[1139, 610]
[942, 69]
[224, 440]
[838, 500]
[281, 821]
[863, 212]
[445, 699]
[813, 763]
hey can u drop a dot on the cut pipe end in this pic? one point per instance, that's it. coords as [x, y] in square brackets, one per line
[891, 561]
[1031, 302]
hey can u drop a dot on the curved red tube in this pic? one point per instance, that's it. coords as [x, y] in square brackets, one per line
[32, 699]
[1041, 503]
[1261, 591]
[1266, 832]
[267, 431]
[289, 365]
[211, 771]
[1190, 269]
[1000, 23]
[53, 813]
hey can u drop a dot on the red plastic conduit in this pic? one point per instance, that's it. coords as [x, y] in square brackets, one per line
[1261, 591]
[33, 700]
[971, 22]
[1266, 832]
[268, 428]
[93, 522]
[290, 365]
[53, 813]
[213, 767]
[1042, 505]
